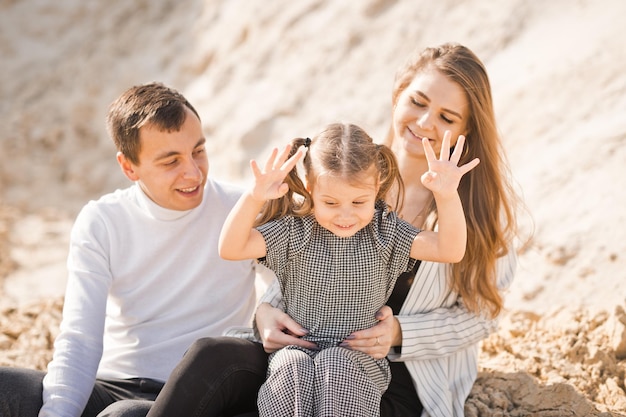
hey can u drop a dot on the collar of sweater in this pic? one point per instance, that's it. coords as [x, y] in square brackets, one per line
[157, 211]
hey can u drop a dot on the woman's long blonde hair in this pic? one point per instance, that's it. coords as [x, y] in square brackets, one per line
[487, 196]
[342, 150]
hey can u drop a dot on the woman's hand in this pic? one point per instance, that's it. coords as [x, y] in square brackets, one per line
[278, 330]
[377, 340]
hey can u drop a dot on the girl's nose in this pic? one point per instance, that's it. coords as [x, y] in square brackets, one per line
[346, 212]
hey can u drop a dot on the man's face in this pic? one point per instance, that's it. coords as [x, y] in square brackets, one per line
[173, 166]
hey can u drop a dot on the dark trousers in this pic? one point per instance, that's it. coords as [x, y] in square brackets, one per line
[217, 377]
[220, 377]
[21, 395]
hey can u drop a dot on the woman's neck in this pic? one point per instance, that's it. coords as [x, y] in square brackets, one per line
[417, 198]
[417, 201]
[411, 165]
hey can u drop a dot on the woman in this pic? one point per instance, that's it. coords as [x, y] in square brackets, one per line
[439, 313]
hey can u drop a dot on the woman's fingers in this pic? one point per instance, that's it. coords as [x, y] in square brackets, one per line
[278, 330]
[277, 340]
[377, 347]
[375, 341]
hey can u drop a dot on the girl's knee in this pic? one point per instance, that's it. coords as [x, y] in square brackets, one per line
[334, 355]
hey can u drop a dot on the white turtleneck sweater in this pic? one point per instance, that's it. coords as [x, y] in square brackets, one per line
[151, 281]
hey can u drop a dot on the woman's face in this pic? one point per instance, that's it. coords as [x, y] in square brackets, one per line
[430, 105]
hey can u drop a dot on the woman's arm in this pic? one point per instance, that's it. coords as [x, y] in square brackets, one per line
[447, 330]
[440, 332]
[421, 336]
[434, 333]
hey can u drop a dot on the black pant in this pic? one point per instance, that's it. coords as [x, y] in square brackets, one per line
[217, 377]
[21, 395]
[220, 377]
[400, 399]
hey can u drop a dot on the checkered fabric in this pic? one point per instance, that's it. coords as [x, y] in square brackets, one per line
[328, 383]
[334, 286]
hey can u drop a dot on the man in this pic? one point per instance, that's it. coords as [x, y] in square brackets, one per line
[145, 279]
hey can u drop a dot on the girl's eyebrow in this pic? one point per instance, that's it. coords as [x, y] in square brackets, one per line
[425, 97]
[335, 198]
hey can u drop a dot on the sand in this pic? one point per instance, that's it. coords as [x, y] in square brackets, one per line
[262, 72]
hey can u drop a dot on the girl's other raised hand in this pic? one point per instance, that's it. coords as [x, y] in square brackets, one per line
[269, 182]
[444, 174]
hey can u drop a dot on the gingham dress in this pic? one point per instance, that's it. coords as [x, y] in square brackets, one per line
[333, 287]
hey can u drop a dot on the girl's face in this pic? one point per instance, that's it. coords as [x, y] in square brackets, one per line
[428, 107]
[344, 207]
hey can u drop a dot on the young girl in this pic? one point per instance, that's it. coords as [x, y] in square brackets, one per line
[337, 250]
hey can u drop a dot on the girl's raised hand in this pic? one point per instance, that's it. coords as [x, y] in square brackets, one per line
[269, 182]
[444, 174]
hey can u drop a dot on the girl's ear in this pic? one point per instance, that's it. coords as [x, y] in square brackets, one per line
[127, 167]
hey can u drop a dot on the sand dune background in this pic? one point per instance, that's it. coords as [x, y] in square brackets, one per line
[262, 72]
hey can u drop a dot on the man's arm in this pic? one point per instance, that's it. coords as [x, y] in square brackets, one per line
[78, 348]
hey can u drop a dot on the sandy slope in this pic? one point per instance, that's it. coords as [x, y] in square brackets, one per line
[261, 72]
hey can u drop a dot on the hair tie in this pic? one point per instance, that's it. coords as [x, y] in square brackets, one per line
[307, 142]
